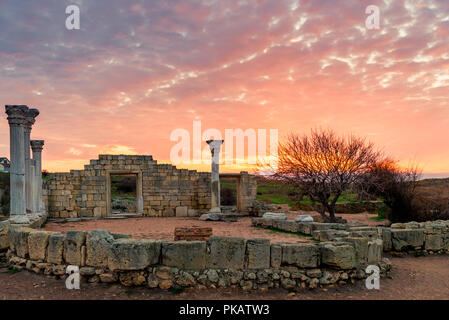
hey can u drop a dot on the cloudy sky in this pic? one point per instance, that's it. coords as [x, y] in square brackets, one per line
[137, 70]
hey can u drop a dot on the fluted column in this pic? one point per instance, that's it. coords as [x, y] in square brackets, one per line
[37, 146]
[215, 146]
[30, 119]
[16, 119]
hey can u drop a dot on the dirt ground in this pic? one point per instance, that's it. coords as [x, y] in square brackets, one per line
[163, 228]
[420, 278]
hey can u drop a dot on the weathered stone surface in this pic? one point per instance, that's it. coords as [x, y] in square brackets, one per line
[133, 254]
[330, 234]
[273, 215]
[403, 238]
[434, 242]
[55, 248]
[338, 255]
[108, 277]
[181, 211]
[98, 243]
[136, 278]
[227, 253]
[72, 246]
[375, 249]
[211, 216]
[258, 253]
[386, 238]
[304, 219]
[87, 271]
[305, 227]
[303, 255]
[189, 255]
[4, 234]
[286, 225]
[276, 255]
[37, 244]
[18, 238]
[361, 249]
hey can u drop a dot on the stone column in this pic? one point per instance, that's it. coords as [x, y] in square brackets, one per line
[215, 146]
[37, 146]
[16, 119]
[30, 119]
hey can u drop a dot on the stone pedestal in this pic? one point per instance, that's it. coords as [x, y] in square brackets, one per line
[37, 146]
[215, 146]
[30, 119]
[16, 119]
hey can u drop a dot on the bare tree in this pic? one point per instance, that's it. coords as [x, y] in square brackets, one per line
[396, 186]
[324, 165]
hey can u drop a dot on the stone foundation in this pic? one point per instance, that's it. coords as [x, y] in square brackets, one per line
[413, 237]
[219, 262]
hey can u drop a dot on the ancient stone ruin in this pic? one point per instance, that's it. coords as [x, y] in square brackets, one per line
[26, 170]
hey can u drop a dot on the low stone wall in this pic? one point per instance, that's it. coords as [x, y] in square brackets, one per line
[220, 262]
[425, 237]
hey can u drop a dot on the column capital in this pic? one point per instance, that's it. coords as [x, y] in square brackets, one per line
[37, 145]
[16, 114]
[30, 119]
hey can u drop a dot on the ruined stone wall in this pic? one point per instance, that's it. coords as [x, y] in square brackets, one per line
[219, 262]
[84, 193]
[163, 188]
[425, 237]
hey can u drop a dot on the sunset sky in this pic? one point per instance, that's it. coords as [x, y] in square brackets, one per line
[137, 70]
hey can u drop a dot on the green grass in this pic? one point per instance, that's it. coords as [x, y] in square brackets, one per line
[298, 234]
[12, 271]
[177, 290]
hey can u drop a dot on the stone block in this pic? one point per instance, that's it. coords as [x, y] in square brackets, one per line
[276, 255]
[361, 249]
[303, 255]
[37, 245]
[403, 238]
[329, 235]
[434, 242]
[4, 234]
[74, 240]
[272, 215]
[133, 254]
[304, 218]
[386, 238]
[18, 238]
[305, 227]
[338, 255]
[226, 253]
[258, 253]
[375, 249]
[55, 248]
[190, 255]
[98, 243]
[181, 211]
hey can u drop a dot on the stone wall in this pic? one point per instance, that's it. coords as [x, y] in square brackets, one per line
[161, 188]
[219, 262]
[424, 237]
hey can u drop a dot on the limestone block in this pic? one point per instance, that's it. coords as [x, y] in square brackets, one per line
[328, 235]
[305, 227]
[304, 218]
[361, 249]
[338, 255]
[181, 211]
[434, 242]
[72, 246]
[190, 255]
[375, 249]
[37, 244]
[303, 255]
[55, 248]
[403, 238]
[227, 253]
[272, 215]
[276, 255]
[386, 238]
[133, 254]
[98, 243]
[286, 225]
[18, 238]
[258, 253]
[4, 234]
